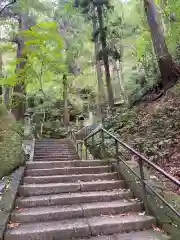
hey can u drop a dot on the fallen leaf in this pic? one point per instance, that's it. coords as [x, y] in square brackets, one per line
[13, 225]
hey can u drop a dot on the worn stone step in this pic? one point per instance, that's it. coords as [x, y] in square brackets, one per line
[62, 164]
[68, 170]
[53, 188]
[58, 145]
[54, 146]
[73, 198]
[119, 223]
[142, 235]
[66, 155]
[56, 150]
[52, 140]
[45, 151]
[69, 178]
[52, 230]
[60, 212]
[54, 143]
[55, 159]
[62, 158]
[53, 154]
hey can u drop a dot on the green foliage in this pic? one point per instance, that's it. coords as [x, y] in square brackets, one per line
[44, 49]
[60, 42]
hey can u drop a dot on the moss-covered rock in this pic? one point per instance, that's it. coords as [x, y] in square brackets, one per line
[11, 154]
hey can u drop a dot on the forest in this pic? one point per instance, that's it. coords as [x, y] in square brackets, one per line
[118, 60]
[89, 119]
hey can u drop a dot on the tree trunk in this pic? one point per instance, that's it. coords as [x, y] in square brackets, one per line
[105, 57]
[4, 90]
[101, 93]
[6, 96]
[121, 78]
[169, 70]
[65, 99]
[117, 81]
[1, 71]
[18, 102]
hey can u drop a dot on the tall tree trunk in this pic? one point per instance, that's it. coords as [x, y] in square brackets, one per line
[117, 80]
[169, 70]
[105, 57]
[1, 71]
[6, 96]
[4, 90]
[101, 93]
[18, 102]
[65, 100]
[121, 78]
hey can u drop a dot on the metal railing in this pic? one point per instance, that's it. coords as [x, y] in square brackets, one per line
[141, 161]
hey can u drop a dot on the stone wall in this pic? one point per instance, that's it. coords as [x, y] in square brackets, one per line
[168, 220]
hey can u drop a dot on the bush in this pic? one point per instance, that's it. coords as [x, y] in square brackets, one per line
[11, 154]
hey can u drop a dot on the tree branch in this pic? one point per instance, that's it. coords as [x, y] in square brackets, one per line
[7, 5]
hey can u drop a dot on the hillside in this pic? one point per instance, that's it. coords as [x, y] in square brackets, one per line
[153, 128]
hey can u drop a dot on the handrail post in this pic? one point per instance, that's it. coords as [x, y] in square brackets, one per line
[103, 145]
[93, 146]
[85, 143]
[144, 192]
[117, 149]
[117, 158]
[77, 148]
[81, 150]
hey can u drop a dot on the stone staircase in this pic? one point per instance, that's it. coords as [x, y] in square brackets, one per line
[63, 197]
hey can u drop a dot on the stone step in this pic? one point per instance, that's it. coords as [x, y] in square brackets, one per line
[60, 212]
[61, 164]
[68, 170]
[53, 150]
[51, 230]
[54, 154]
[53, 188]
[52, 159]
[54, 143]
[60, 158]
[73, 198]
[51, 145]
[56, 149]
[57, 145]
[65, 155]
[69, 178]
[52, 140]
[142, 235]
